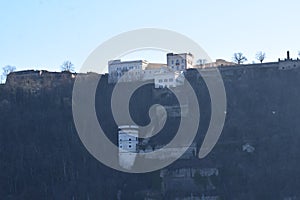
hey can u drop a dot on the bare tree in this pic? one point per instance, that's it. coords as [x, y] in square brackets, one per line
[6, 70]
[260, 56]
[239, 58]
[67, 66]
[201, 61]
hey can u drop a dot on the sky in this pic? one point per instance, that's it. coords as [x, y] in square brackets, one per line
[42, 34]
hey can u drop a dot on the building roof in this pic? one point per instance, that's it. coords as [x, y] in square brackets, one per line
[217, 63]
[155, 66]
[180, 54]
[123, 62]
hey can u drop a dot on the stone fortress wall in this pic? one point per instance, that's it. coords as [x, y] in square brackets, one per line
[37, 79]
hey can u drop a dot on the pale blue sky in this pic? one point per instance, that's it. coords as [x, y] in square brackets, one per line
[41, 34]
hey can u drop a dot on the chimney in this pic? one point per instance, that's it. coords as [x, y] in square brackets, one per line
[288, 55]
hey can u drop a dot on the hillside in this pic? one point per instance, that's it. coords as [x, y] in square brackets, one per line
[42, 157]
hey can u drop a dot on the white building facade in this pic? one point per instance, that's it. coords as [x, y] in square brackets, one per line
[168, 79]
[180, 62]
[128, 144]
[163, 75]
[128, 138]
[128, 70]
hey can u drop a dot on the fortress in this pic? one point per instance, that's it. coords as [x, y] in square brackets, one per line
[256, 157]
[171, 74]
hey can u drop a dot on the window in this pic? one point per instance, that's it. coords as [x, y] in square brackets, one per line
[121, 147]
[172, 62]
[170, 79]
[129, 139]
[160, 81]
[129, 146]
[165, 80]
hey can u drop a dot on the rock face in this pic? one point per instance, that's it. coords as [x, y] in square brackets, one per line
[42, 157]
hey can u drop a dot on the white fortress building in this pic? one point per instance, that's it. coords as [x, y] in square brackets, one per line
[127, 142]
[132, 70]
[168, 79]
[163, 75]
[180, 62]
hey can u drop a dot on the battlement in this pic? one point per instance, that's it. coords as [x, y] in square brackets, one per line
[288, 64]
[37, 79]
[34, 80]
